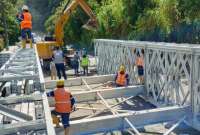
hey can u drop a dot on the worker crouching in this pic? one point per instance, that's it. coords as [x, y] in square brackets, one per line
[121, 78]
[64, 103]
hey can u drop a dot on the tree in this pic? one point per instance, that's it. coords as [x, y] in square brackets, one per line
[9, 28]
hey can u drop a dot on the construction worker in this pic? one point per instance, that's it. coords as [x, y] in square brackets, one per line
[76, 60]
[84, 64]
[53, 70]
[121, 78]
[58, 58]
[25, 19]
[140, 66]
[64, 104]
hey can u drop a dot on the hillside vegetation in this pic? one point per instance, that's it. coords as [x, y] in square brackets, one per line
[151, 20]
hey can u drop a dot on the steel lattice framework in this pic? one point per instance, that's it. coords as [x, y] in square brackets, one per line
[24, 104]
[172, 75]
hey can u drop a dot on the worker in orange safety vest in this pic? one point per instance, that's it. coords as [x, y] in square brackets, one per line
[140, 66]
[121, 78]
[25, 19]
[64, 104]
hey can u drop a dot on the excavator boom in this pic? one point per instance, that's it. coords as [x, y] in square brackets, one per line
[59, 27]
[45, 48]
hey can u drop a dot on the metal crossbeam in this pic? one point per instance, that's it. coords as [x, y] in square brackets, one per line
[78, 81]
[174, 126]
[106, 93]
[111, 109]
[14, 114]
[20, 99]
[22, 127]
[139, 118]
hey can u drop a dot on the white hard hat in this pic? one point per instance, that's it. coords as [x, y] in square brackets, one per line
[25, 7]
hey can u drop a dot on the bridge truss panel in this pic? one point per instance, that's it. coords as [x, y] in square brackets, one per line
[172, 75]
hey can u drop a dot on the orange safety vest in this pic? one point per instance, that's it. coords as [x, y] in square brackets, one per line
[62, 100]
[121, 79]
[140, 61]
[27, 21]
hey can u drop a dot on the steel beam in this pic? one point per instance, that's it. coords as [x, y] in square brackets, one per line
[139, 118]
[106, 93]
[78, 81]
[20, 99]
[14, 114]
[22, 127]
[48, 120]
[8, 78]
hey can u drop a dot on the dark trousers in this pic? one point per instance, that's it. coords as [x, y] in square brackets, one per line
[85, 70]
[26, 33]
[60, 67]
[76, 67]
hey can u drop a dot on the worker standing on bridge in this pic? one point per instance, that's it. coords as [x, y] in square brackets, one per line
[122, 78]
[85, 63]
[25, 19]
[58, 58]
[64, 104]
[76, 63]
[140, 66]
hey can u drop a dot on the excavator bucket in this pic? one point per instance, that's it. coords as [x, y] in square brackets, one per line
[90, 25]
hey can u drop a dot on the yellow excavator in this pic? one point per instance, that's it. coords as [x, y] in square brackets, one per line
[45, 48]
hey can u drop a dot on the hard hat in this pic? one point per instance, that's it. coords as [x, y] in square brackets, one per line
[60, 83]
[122, 68]
[25, 7]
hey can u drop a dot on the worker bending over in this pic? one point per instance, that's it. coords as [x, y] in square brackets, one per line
[25, 19]
[64, 103]
[121, 78]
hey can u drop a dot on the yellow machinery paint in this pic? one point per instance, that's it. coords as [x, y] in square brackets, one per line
[45, 48]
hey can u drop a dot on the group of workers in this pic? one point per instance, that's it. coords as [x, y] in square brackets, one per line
[84, 63]
[57, 65]
[64, 101]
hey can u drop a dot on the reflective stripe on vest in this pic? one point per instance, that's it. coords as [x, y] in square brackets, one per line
[85, 61]
[27, 21]
[121, 79]
[62, 100]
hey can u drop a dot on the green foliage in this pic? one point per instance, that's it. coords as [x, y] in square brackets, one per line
[154, 20]
[9, 28]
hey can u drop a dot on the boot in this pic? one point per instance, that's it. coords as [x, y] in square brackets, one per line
[23, 44]
[55, 120]
[31, 43]
[66, 131]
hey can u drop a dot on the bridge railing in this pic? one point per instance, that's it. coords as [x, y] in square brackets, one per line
[172, 71]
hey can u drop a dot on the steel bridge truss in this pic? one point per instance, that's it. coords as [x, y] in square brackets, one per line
[24, 106]
[120, 119]
[172, 75]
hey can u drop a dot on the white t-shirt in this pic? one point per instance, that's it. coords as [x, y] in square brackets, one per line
[58, 57]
